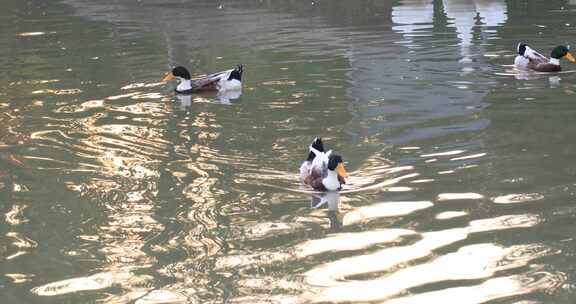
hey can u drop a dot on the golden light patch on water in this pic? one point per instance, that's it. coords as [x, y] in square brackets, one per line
[42, 91]
[16, 255]
[141, 85]
[263, 299]
[487, 291]
[91, 238]
[446, 172]
[331, 244]
[424, 180]
[399, 189]
[514, 180]
[152, 108]
[300, 95]
[19, 278]
[116, 97]
[21, 241]
[127, 297]
[86, 105]
[94, 282]
[269, 229]
[161, 296]
[467, 167]
[14, 216]
[92, 103]
[147, 96]
[350, 241]
[42, 81]
[38, 166]
[505, 222]
[332, 274]
[269, 283]
[381, 210]
[112, 161]
[478, 155]
[447, 153]
[179, 174]
[251, 260]
[20, 188]
[280, 82]
[359, 183]
[450, 215]
[517, 198]
[58, 92]
[473, 262]
[459, 196]
[27, 34]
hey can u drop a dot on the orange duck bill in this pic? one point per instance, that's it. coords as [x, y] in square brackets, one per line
[169, 76]
[341, 170]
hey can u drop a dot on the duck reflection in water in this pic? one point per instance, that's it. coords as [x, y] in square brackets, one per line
[185, 102]
[227, 98]
[331, 201]
[553, 81]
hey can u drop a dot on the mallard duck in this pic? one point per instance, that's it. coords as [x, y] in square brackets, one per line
[323, 171]
[530, 59]
[222, 81]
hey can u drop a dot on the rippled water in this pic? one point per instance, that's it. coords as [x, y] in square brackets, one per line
[113, 190]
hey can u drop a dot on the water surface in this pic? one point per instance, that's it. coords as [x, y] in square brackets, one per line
[113, 190]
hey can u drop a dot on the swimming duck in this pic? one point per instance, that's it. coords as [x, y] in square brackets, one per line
[528, 58]
[323, 171]
[222, 81]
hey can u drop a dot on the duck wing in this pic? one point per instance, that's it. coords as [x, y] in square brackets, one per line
[305, 170]
[534, 56]
[204, 85]
[314, 179]
[216, 81]
[545, 67]
[209, 82]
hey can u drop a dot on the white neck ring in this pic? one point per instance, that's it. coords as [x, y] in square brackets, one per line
[554, 61]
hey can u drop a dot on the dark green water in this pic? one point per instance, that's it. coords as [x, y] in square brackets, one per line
[113, 190]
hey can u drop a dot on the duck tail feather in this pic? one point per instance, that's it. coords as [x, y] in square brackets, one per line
[521, 48]
[315, 148]
[533, 55]
[317, 144]
[237, 73]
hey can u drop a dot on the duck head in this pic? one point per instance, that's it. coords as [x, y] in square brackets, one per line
[177, 72]
[335, 163]
[336, 175]
[561, 52]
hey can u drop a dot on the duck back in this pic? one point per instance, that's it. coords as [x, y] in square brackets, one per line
[545, 67]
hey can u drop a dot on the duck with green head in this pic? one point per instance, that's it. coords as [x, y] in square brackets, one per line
[528, 58]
